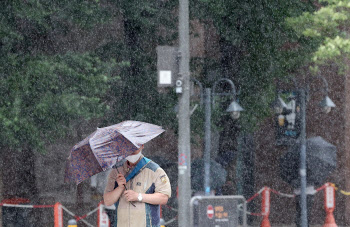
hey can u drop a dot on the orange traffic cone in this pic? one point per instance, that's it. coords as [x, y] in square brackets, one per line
[329, 206]
[265, 207]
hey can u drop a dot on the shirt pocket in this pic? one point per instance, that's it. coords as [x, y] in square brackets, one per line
[140, 184]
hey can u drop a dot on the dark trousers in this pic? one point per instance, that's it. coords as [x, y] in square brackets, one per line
[111, 216]
[309, 203]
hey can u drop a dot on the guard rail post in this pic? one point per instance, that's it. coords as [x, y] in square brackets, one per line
[102, 217]
[329, 205]
[265, 207]
[58, 215]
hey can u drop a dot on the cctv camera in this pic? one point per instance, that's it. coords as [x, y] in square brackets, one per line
[178, 83]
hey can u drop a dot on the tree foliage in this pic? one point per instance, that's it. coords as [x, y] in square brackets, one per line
[329, 26]
[44, 89]
[145, 26]
[256, 47]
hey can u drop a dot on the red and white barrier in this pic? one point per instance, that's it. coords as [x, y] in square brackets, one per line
[265, 207]
[102, 217]
[58, 211]
[58, 215]
[329, 205]
[265, 192]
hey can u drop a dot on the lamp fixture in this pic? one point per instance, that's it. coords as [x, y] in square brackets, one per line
[234, 109]
[327, 104]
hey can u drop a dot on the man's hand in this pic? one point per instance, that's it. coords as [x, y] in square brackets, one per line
[121, 180]
[114, 195]
[131, 195]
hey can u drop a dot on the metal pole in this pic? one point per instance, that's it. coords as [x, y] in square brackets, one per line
[184, 149]
[303, 205]
[207, 127]
[239, 164]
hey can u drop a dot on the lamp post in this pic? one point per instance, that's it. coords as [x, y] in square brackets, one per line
[280, 107]
[234, 109]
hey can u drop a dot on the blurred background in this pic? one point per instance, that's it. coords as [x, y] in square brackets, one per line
[68, 67]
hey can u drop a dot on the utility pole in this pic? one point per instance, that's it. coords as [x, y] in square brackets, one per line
[207, 128]
[184, 148]
[302, 170]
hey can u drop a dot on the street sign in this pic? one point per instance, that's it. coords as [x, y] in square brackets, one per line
[210, 211]
[218, 211]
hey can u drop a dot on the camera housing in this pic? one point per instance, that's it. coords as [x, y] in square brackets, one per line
[178, 84]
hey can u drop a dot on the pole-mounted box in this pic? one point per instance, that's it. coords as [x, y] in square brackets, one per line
[167, 66]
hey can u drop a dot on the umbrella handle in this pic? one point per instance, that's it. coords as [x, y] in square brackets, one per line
[126, 189]
[129, 202]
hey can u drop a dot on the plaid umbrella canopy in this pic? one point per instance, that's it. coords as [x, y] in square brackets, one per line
[106, 146]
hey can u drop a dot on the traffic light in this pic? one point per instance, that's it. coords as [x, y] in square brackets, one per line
[287, 119]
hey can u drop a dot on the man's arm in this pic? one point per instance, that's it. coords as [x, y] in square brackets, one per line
[162, 191]
[113, 196]
[155, 198]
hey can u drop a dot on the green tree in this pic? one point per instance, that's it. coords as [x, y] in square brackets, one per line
[145, 26]
[255, 47]
[43, 87]
[328, 26]
[43, 90]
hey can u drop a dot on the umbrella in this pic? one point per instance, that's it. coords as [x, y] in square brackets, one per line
[321, 160]
[217, 175]
[106, 146]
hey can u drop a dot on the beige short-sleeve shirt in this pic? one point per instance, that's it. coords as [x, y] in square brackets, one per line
[151, 179]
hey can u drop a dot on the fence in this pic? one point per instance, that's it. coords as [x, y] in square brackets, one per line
[17, 210]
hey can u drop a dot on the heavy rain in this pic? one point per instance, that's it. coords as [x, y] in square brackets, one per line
[239, 106]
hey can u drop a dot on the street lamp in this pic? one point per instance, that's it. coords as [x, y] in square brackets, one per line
[326, 104]
[280, 107]
[234, 109]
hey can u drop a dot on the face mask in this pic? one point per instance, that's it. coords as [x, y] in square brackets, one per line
[133, 158]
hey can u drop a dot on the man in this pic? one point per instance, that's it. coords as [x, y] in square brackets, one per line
[137, 188]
